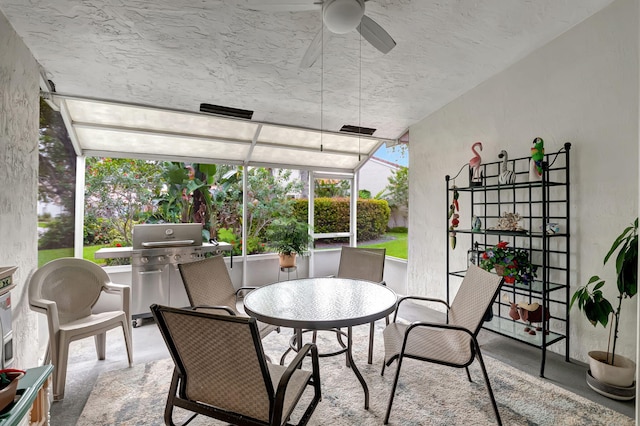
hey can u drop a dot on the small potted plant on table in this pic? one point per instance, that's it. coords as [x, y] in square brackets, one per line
[612, 374]
[288, 237]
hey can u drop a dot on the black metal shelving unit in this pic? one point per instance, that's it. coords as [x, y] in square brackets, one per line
[538, 203]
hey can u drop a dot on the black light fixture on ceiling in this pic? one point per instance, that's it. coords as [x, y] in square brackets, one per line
[226, 111]
[358, 130]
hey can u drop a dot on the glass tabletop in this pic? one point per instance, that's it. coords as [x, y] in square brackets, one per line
[320, 303]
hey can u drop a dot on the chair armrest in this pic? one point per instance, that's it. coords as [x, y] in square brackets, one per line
[426, 299]
[243, 289]
[286, 376]
[125, 293]
[113, 288]
[209, 307]
[50, 309]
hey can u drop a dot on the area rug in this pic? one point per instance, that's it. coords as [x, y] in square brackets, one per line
[427, 394]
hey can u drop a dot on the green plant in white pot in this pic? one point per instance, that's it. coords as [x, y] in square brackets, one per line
[608, 367]
[288, 237]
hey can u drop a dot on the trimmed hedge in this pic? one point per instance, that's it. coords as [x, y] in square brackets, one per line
[332, 215]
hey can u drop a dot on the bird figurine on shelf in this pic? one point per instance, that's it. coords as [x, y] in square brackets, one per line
[474, 165]
[535, 164]
[506, 176]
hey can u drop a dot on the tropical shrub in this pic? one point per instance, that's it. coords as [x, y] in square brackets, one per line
[332, 215]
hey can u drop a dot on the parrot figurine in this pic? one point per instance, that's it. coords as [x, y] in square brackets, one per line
[537, 155]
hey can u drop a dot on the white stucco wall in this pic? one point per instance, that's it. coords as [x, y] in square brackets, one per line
[374, 175]
[582, 88]
[19, 112]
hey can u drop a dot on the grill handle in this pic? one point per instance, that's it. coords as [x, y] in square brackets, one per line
[151, 244]
[155, 271]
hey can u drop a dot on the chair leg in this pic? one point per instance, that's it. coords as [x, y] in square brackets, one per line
[126, 331]
[393, 390]
[47, 354]
[468, 374]
[101, 344]
[372, 330]
[486, 380]
[60, 368]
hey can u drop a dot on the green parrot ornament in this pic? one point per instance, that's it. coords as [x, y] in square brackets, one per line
[537, 155]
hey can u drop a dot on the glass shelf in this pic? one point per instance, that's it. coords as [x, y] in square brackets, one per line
[535, 287]
[510, 233]
[515, 330]
[497, 187]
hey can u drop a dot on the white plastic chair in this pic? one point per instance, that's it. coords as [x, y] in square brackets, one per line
[65, 290]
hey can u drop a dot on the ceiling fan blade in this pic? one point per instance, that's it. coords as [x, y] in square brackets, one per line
[283, 5]
[376, 35]
[313, 51]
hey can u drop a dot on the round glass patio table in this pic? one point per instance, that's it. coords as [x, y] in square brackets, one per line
[322, 304]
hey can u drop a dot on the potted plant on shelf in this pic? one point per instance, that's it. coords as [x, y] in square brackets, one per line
[607, 367]
[511, 263]
[288, 237]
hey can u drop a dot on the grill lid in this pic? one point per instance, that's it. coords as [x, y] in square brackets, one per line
[167, 235]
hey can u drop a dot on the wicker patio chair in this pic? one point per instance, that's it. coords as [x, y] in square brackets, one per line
[208, 284]
[65, 290]
[221, 370]
[363, 264]
[454, 343]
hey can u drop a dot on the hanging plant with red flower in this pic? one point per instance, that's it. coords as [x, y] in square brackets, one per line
[513, 264]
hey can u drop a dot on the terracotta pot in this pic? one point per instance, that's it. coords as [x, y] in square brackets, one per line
[287, 260]
[499, 270]
[621, 374]
[8, 393]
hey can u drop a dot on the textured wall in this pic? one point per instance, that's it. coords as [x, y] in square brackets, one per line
[19, 111]
[583, 88]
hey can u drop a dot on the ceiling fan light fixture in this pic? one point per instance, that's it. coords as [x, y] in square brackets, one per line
[342, 16]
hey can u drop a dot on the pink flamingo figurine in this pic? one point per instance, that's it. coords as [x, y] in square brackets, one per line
[475, 163]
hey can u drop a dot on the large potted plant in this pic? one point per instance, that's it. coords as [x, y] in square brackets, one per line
[288, 237]
[606, 366]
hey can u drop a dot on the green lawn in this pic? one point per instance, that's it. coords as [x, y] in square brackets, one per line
[45, 256]
[397, 247]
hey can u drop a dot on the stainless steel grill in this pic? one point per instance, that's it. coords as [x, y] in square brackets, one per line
[157, 251]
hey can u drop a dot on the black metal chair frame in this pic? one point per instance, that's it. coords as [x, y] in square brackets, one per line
[177, 396]
[475, 352]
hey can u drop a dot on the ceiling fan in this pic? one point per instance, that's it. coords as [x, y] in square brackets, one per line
[339, 16]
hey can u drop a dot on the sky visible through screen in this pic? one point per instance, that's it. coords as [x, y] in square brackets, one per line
[395, 155]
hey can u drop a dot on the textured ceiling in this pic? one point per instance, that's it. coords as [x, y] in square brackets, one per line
[180, 53]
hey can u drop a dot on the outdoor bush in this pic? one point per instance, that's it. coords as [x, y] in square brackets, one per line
[98, 231]
[332, 215]
[254, 244]
[59, 233]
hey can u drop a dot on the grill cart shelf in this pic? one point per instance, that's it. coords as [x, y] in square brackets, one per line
[539, 203]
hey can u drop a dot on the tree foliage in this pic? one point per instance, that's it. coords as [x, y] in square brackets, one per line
[121, 191]
[397, 191]
[56, 177]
